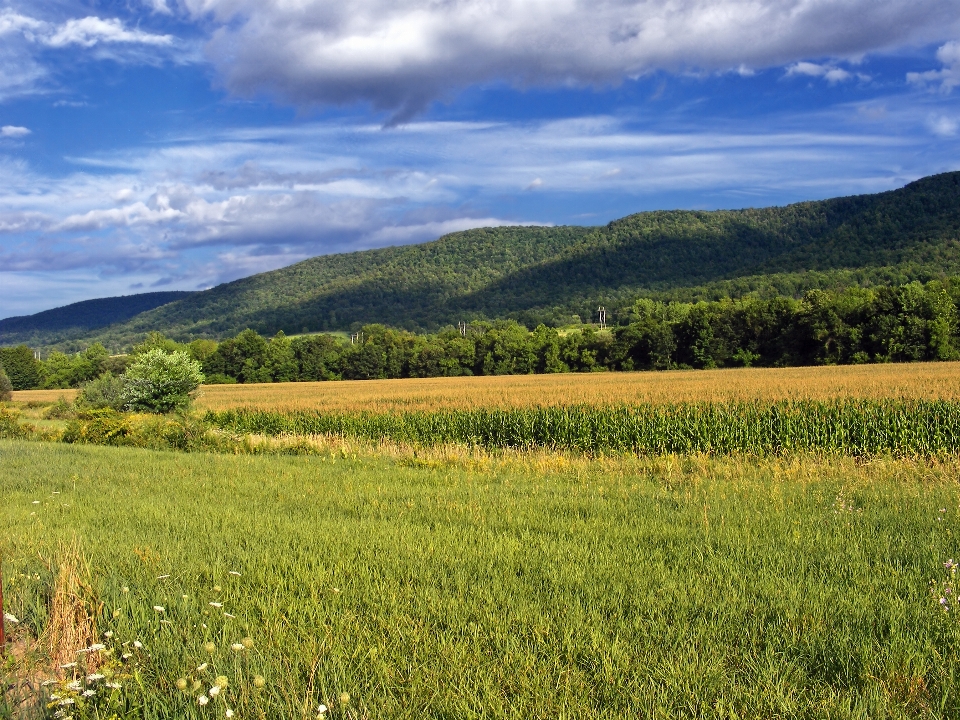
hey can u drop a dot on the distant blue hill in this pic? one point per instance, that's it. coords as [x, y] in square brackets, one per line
[80, 318]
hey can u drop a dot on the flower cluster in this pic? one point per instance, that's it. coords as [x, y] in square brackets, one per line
[945, 591]
[92, 684]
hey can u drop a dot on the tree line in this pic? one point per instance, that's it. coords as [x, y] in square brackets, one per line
[906, 323]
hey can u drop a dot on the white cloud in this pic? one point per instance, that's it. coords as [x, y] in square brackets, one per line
[943, 126]
[401, 54]
[830, 73]
[24, 39]
[14, 131]
[947, 77]
[90, 31]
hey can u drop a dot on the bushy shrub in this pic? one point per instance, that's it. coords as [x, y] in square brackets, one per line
[60, 410]
[10, 427]
[104, 392]
[219, 379]
[99, 427]
[6, 387]
[159, 382]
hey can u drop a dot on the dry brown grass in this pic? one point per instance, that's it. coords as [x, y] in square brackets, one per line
[71, 624]
[920, 380]
[43, 396]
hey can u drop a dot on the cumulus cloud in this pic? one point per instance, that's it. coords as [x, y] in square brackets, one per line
[401, 54]
[14, 131]
[947, 77]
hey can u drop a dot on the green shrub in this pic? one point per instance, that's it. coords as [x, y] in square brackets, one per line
[219, 379]
[60, 410]
[6, 388]
[159, 382]
[99, 427]
[104, 392]
[10, 427]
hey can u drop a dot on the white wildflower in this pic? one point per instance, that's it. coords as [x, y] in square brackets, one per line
[159, 608]
[201, 668]
[237, 647]
[229, 712]
[203, 700]
[214, 691]
[234, 572]
[12, 619]
[94, 677]
[216, 605]
[89, 693]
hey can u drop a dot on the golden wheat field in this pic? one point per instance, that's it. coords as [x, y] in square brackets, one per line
[927, 380]
[917, 380]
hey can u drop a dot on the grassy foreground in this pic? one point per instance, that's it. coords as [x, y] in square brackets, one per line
[452, 585]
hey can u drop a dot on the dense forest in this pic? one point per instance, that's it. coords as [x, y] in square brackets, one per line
[78, 319]
[558, 276]
[905, 323]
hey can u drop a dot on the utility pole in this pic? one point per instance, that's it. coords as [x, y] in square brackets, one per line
[603, 317]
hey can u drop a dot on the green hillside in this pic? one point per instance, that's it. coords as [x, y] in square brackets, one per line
[78, 319]
[539, 274]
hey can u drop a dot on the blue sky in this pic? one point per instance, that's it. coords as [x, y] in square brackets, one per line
[177, 144]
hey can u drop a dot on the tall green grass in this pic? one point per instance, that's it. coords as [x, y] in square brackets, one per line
[852, 427]
[656, 588]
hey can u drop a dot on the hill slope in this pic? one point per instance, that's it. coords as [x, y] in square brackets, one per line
[551, 273]
[77, 319]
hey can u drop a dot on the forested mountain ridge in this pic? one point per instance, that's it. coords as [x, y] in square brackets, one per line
[549, 274]
[79, 318]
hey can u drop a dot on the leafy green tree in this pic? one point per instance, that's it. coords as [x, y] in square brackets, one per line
[161, 382]
[22, 368]
[6, 387]
[156, 341]
[279, 361]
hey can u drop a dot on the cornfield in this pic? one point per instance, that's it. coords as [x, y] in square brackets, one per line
[905, 428]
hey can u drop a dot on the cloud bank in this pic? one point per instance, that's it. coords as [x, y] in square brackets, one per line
[399, 55]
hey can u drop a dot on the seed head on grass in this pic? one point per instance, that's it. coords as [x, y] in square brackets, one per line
[182, 684]
[210, 647]
[221, 680]
[259, 681]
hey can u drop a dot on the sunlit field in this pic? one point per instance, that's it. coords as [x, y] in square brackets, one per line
[513, 586]
[915, 380]
[920, 380]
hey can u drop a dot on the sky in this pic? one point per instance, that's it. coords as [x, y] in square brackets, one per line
[177, 144]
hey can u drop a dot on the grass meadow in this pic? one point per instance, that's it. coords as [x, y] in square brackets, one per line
[711, 544]
[463, 584]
